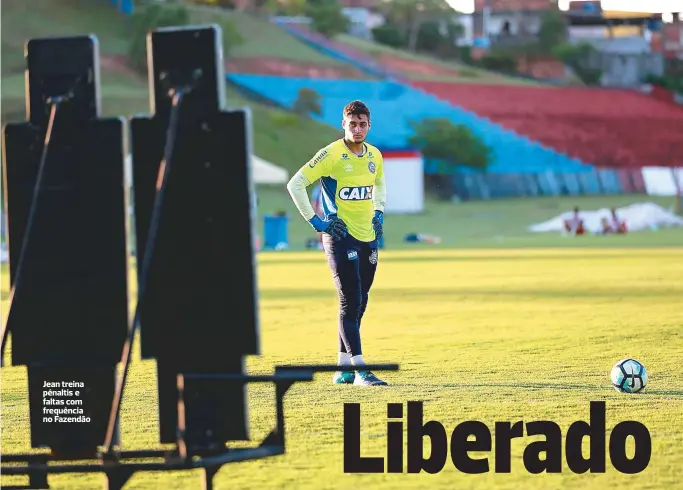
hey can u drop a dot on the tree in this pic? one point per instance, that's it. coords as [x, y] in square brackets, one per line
[307, 102]
[150, 16]
[429, 36]
[577, 57]
[553, 31]
[411, 14]
[389, 35]
[439, 36]
[455, 31]
[327, 17]
[450, 144]
[500, 61]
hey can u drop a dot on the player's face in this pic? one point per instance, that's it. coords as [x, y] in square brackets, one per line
[356, 128]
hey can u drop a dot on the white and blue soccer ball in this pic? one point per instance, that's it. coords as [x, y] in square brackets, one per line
[629, 376]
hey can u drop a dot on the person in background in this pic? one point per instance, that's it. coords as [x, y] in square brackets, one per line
[618, 225]
[613, 225]
[575, 225]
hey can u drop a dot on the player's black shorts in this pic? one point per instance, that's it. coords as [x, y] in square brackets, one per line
[353, 264]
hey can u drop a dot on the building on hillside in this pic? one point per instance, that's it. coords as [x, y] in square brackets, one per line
[468, 34]
[509, 22]
[505, 24]
[669, 41]
[587, 19]
[623, 41]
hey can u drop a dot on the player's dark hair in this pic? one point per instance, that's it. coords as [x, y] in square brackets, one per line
[356, 108]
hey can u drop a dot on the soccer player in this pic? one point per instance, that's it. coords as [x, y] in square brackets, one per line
[351, 174]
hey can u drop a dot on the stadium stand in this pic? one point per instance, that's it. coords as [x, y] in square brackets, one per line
[394, 105]
[608, 128]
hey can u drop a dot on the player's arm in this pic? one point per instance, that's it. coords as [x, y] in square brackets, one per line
[379, 199]
[297, 190]
[313, 170]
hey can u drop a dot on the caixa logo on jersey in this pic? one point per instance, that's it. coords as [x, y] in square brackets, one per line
[362, 193]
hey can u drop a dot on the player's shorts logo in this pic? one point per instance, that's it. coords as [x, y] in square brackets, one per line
[373, 257]
[363, 193]
[352, 254]
[371, 167]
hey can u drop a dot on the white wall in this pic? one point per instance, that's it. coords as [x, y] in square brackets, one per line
[405, 184]
[661, 181]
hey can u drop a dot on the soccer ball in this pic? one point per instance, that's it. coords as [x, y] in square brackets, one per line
[628, 376]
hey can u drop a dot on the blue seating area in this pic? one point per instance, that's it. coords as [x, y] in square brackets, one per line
[476, 186]
[393, 105]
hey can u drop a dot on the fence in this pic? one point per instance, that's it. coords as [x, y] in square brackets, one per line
[477, 186]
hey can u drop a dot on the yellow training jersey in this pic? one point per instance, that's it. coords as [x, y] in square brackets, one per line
[348, 183]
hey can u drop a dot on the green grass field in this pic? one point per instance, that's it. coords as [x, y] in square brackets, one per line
[262, 39]
[488, 335]
[485, 224]
[23, 19]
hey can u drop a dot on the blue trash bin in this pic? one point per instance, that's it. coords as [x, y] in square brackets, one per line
[275, 234]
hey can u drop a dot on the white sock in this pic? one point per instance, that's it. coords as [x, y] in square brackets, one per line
[344, 359]
[357, 361]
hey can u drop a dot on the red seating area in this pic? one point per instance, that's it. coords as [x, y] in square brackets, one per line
[608, 128]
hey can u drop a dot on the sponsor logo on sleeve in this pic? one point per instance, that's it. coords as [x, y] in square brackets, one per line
[319, 158]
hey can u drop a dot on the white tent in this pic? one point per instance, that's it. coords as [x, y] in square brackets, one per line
[638, 216]
[264, 172]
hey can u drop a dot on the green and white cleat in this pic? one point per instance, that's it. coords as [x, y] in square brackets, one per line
[343, 377]
[366, 378]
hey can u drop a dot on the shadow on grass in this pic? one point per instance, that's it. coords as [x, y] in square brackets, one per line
[412, 295]
[447, 257]
[448, 293]
[529, 386]
[564, 386]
